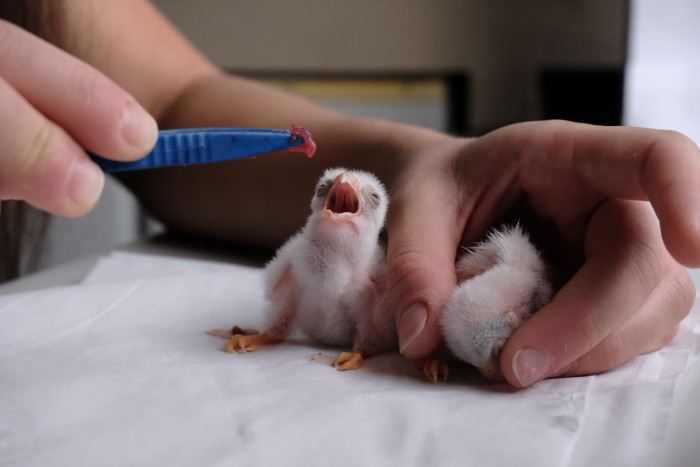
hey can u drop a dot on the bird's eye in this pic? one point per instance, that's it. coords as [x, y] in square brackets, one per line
[323, 188]
[374, 199]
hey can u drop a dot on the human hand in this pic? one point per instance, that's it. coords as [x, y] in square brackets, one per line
[626, 293]
[54, 107]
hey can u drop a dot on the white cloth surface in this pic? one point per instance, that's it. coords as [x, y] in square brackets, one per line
[118, 371]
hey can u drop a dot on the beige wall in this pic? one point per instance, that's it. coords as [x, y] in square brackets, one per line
[503, 44]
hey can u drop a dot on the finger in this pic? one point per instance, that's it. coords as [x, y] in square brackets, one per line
[40, 163]
[624, 263]
[666, 166]
[97, 113]
[638, 164]
[420, 257]
[652, 327]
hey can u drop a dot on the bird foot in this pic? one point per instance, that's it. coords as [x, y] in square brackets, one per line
[229, 333]
[434, 369]
[348, 361]
[241, 343]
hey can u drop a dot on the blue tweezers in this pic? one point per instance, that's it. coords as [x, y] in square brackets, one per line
[201, 145]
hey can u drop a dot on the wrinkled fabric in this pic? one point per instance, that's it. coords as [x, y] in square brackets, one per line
[118, 371]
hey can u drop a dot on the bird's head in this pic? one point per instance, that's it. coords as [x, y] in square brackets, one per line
[353, 197]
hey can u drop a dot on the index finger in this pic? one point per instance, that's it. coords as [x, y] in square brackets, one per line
[97, 113]
[420, 259]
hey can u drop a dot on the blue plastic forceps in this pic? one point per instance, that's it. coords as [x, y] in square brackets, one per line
[201, 145]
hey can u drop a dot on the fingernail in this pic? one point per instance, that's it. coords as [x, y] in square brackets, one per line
[531, 365]
[85, 182]
[139, 128]
[410, 325]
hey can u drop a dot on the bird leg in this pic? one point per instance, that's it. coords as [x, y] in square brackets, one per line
[243, 342]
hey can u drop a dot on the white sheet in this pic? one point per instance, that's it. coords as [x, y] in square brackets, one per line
[118, 371]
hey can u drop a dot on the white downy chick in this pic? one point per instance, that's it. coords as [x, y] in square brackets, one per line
[503, 281]
[329, 279]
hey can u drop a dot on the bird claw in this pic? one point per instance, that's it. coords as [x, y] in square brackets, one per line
[240, 343]
[433, 369]
[348, 361]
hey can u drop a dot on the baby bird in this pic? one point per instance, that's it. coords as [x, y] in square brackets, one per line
[503, 281]
[329, 278]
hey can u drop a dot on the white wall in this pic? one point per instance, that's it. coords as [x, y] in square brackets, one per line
[662, 88]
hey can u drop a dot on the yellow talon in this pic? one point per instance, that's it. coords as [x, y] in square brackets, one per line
[241, 343]
[434, 370]
[348, 361]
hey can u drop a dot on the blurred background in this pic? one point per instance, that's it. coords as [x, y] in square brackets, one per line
[462, 66]
[505, 61]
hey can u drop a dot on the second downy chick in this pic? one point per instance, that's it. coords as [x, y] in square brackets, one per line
[502, 282]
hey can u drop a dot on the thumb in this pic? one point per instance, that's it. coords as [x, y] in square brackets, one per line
[420, 257]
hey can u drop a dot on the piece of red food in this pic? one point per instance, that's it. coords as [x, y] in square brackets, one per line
[308, 146]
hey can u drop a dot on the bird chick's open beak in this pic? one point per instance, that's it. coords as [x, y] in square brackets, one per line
[343, 200]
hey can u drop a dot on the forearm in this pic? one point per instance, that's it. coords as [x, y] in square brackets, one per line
[257, 201]
[265, 199]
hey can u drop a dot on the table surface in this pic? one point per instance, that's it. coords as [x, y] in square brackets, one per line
[681, 441]
[73, 272]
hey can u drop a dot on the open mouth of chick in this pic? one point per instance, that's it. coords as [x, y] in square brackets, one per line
[343, 201]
